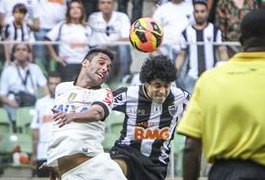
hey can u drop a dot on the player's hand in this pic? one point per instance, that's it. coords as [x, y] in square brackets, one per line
[61, 118]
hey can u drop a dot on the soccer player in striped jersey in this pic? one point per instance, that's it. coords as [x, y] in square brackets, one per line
[152, 111]
[76, 147]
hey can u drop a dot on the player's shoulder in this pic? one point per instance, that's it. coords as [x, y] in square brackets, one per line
[213, 73]
[120, 14]
[64, 86]
[94, 15]
[179, 93]
[103, 90]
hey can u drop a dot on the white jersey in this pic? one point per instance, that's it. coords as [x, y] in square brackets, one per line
[75, 41]
[117, 28]
[43, 122]
[85, 137]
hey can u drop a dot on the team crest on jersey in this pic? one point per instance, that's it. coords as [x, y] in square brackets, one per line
[172, 109]
[209, 38]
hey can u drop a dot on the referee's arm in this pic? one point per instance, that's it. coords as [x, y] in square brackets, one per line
[192, 158]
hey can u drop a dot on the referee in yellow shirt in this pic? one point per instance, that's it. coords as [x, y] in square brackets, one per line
[226, 114]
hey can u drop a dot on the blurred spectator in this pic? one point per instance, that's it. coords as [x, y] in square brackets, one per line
[200, 57]
[16, 30]
[109, 26]
[90, 6]
[20, 82]
[6, 7]
[136, 9]
[73, 33]
[212, 4]
[229, 14]
[51, 13]
[174, 17]
[42, 126]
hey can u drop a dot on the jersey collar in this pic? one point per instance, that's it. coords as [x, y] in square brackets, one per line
[249, 56]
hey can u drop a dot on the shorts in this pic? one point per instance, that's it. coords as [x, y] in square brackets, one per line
[139, 166]
[44, 172]
[100, 167]
[236, 169]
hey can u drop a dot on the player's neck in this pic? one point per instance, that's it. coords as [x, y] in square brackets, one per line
[83, 82]
[200, 26]
[22, 64]
[107, 16]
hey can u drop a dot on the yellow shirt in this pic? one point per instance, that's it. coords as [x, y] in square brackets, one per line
[227, 110]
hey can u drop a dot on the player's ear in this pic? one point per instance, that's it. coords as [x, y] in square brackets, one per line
[85, 63]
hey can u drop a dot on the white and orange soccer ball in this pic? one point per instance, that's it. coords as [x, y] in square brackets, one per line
[146, 34]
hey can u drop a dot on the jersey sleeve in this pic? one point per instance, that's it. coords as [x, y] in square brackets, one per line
[190, 124]
[187, 97]
[105, 100]
[54, 33]
[120, 99]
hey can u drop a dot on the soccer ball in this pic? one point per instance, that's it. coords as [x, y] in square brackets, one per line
[146, 34]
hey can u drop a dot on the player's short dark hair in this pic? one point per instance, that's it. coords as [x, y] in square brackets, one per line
[20, 7]
[203, 2]
[158, 67]
[253, 29]
[93, 52]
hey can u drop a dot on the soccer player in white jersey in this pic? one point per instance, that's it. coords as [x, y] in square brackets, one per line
[76, 147]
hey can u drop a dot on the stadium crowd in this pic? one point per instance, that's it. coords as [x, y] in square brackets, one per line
[43, 42]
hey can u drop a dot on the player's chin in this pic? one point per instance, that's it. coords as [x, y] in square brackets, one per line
[98, 81]
[159, 100]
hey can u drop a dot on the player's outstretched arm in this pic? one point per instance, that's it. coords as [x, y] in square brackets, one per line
[95, 113]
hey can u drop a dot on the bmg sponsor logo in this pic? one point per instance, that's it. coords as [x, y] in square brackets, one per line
[142, 133]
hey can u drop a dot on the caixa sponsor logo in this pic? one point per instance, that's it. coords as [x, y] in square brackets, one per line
[141, 133]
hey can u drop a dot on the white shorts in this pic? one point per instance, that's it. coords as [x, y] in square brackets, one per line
[100, 167]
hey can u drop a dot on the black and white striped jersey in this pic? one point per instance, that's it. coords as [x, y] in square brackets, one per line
[149, 127]
[201, 56]
[11, 32]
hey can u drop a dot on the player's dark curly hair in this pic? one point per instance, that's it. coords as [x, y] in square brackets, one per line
[158, 67]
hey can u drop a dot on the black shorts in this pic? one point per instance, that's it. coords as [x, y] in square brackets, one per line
[237, 170]
[139, 166]
[44, 172]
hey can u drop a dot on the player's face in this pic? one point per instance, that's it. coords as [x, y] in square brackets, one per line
[99, 68]
[75, 10]
[106, 6]
[21, 53]
[52, 83]
[200, 13]
[158, 90]
[19, 17]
